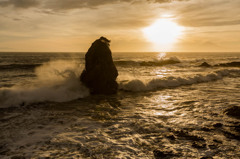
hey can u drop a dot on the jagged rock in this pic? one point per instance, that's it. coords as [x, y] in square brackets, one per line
[233, 111]
[166, 154]
[100, 72]
[230, 64]
[204, 64]
[158, 154]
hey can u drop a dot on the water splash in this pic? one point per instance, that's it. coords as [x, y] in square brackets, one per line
[56, 81]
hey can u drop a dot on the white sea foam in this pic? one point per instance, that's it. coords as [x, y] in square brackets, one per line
[136, 85]
[56, 81]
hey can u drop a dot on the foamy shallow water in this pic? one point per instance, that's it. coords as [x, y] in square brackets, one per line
[180, 114]
[127, 125]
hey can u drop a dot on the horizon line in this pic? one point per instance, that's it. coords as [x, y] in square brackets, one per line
[122, 51]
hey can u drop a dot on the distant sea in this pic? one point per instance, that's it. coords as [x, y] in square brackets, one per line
[167, 105]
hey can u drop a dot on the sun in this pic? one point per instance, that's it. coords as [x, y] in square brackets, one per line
[163, 32]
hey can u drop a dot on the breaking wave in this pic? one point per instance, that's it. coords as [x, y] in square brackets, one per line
[56, 81]
[161, 62]
[137, 85]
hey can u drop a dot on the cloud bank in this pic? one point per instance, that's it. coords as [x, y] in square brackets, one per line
[209, 13]
[71, 4]
[70, 25]
[19, 3]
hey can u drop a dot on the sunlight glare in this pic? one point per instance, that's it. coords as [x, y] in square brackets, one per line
[163, 32]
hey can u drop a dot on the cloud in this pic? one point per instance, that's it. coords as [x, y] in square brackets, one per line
[71, 4]
[167, 1]
[74, 4]
[19, 3]
[210, 13]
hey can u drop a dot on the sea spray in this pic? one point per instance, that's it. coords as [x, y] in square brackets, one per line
[56, 81]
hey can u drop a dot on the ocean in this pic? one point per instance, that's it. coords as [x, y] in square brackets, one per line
[167, 106]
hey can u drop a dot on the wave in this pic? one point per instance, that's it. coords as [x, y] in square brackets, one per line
[56, 81]
[162, 62]
[137, 85]
[19, 66]
[228, 64]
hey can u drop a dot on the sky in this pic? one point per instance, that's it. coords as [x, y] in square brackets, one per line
[72, 25]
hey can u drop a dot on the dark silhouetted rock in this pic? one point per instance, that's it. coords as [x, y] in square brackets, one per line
[233, 111]
[218, 125]
[230, 64]
[171, 137]
[204, 64]
[158, 154]
[166, 154]
[206, 158]
[100, 72]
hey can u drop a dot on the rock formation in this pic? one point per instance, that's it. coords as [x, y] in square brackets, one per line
[230, 64]
[233, 111]
[100, 72]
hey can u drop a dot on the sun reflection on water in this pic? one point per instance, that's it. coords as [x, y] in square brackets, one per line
[161, 73]
[161, 55]
[164, 113]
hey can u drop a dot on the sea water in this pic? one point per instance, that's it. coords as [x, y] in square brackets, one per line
[166, 106]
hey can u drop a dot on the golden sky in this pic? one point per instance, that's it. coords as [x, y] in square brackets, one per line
[72, 25]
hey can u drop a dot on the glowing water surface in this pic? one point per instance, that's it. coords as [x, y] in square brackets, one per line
[165, 108]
